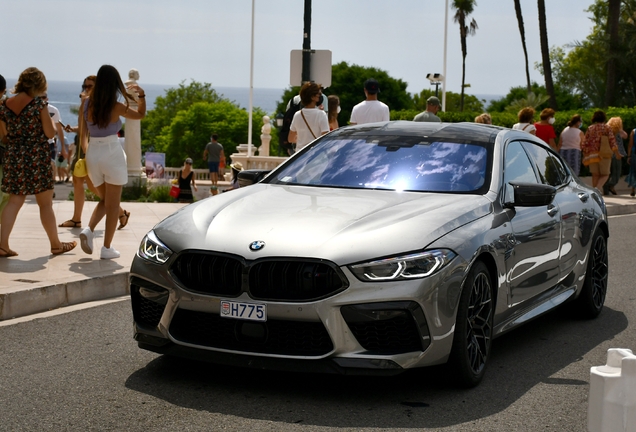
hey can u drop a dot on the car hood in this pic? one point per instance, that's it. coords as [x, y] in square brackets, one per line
[341, 225]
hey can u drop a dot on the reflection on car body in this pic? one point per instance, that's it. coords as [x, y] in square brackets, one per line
[381, 247]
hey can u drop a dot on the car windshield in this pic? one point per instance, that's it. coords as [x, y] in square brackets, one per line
[391, 163]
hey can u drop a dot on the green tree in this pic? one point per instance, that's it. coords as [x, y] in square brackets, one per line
[587, 65]
[190, 129]
[463, 9]
[581, 71]
[545, 55]
[522, 32]
[167, 107]
[453, 101]
[613, 23]
[565, 99]
[347, 82]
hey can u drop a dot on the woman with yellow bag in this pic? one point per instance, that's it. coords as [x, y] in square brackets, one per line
[600, 145]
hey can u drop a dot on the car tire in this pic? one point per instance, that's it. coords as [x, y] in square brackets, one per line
[590, 302]
[473, 329]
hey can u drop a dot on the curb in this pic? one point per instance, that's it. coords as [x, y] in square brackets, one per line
[618, 209]
[36, 299]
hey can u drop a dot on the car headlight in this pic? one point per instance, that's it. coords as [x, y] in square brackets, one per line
[413, 266]
[153, 250]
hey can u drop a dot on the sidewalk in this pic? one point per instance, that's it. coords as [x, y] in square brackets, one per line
[35, 281]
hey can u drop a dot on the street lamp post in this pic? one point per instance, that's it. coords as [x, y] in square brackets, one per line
[445, 45]
[307, 43]
[249, 125]
[436, 79]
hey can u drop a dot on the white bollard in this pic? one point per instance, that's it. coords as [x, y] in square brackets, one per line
[612, 400]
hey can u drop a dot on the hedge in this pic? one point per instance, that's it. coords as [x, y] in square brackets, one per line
[561, 119]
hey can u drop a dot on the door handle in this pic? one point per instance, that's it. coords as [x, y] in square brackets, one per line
[553, 210]
[584, 196]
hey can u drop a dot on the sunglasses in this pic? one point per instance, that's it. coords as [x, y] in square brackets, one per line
[87, 86]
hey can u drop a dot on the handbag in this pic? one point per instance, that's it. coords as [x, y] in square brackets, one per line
[591, 158]
[605, 150]
[80, 168]
[175, 191]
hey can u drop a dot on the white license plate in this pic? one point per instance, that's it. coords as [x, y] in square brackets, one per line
[245, 311]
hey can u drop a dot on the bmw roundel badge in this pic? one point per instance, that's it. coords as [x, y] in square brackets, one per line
[257, 245]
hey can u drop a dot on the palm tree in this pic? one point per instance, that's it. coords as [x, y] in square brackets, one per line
[613, 18]
[464, 8]
[545, 54]
[522, 32]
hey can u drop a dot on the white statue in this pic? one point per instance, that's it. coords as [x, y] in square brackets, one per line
[265, 137]
[133, 76]
[132, 137]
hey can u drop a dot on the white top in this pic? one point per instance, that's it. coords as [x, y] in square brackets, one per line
[317, 120]
[525, 127]
[571, 138]
[55, 115]
[369, 112]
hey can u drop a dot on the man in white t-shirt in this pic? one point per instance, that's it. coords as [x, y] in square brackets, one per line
[309, 122]
[371, 110]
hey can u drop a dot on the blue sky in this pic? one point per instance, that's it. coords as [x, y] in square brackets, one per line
[209, 40]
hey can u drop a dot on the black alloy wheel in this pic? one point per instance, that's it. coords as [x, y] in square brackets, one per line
[473, 331]
[592, 298]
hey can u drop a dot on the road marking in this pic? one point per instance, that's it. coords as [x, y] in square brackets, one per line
[62, 311]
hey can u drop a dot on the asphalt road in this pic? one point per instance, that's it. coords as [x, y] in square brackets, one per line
[82, 371]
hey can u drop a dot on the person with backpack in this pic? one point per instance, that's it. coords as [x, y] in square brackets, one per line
[309, 122]
[283, 136]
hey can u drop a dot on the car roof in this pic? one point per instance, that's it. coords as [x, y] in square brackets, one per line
[435, 131]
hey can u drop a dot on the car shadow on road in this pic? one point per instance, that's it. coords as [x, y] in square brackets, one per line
[422, 398]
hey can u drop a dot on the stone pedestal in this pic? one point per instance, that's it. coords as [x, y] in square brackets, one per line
[132, 138]
[263, 150]
[132, 147]
[265, 137]
[242, 148]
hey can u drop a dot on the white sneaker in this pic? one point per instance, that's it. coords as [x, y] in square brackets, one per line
[86, 240]
[109, 253]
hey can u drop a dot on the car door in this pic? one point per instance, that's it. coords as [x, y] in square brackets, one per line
[533, 265]
[570, 200]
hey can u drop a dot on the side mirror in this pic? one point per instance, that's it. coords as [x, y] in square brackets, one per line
[250, 177]
[532, 194]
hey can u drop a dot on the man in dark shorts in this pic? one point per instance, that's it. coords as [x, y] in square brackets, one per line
[213, 153]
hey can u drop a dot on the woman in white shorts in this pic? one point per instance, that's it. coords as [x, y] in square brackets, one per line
[105, 158]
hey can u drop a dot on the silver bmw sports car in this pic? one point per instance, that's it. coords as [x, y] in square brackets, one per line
[375, 249]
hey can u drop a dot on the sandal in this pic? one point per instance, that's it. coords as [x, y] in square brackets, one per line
[66, 247]
[71, 224]
[123, 220]
[7, 253]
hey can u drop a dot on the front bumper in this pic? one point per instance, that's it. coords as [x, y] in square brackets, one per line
[367, 328]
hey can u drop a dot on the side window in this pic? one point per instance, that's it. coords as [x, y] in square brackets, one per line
[548, 165]
[517, 168]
